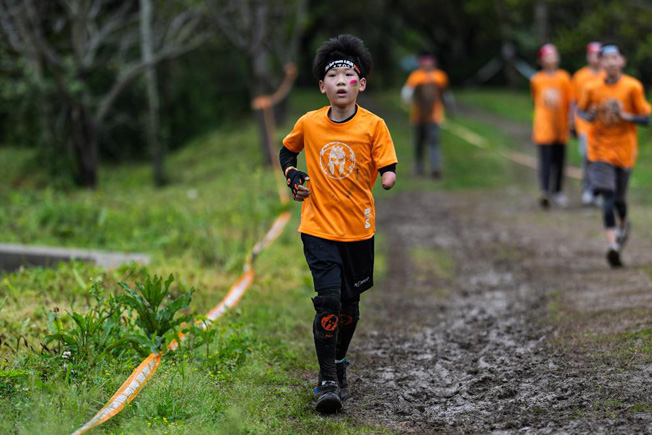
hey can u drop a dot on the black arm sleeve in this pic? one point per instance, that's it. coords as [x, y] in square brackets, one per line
[585, 115]
[643, 120]
[287, 158]
[388, 168]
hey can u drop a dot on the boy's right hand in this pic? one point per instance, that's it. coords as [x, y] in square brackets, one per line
[296, 180]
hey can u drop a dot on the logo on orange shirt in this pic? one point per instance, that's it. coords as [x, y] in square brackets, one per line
[337, 160]
[609, 110]
[551, 98]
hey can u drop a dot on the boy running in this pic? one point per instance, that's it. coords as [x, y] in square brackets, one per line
[346, 147]
[551, 92]
[614, 106]
[425, 88]
[581, 78]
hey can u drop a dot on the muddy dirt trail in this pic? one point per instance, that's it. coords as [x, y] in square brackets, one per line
[460, 335]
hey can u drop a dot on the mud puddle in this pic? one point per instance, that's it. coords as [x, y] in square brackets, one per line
[459, 337]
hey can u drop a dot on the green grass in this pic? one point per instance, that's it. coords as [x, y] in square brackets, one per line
[465, 167]
[517, 106]
[260, 370]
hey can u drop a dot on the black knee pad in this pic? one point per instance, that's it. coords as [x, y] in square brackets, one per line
[327, 310]
[350, 314]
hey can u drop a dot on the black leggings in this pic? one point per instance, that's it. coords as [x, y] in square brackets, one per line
[551, 167]
[613, 202]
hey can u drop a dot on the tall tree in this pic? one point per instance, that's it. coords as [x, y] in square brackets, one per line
[86, 48]
[268, 33]
[153, 104]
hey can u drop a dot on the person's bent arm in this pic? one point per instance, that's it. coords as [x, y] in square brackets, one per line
[572, 111]
[643, 120]
[295, 179]
[287, 159]
[449, 102]
[388, 176]
[406, 94]
[588, 115]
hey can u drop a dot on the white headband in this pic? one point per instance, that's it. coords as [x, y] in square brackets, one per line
[610, 49]
[342, 64]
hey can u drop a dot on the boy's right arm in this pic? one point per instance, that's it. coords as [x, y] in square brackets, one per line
[296, 179]
[292, 146]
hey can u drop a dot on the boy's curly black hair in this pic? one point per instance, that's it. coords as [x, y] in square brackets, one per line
[343, 47]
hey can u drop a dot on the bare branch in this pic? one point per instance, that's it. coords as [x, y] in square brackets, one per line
[36, 35]
[185, 32]
[113, 28]
[9, 13]
[224, 16]
[111, 31]
[178, 22]
[131, 73]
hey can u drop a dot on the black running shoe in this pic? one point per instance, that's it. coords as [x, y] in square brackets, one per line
[328, 399]
[622, 234]
[544, 201]
[613, 258]
[341, 378]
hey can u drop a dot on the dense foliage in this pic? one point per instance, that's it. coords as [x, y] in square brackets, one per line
[247, 44]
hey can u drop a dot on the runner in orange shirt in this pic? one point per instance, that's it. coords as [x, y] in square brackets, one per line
[425, 88]
[613, 106]
[346, 148]
[551, 92]
[581, 78]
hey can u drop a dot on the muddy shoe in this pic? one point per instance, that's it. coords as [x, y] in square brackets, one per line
[328, 399]
[622, 234]
[613, 257]
[544, 201]
[341, 378]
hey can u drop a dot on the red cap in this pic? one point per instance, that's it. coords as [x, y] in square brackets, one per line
[593, 47]
[545, 50]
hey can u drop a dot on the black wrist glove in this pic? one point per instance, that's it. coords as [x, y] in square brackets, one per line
[295, 178]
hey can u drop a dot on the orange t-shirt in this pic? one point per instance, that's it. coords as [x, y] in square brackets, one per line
[581, 78]
[421, 77]
[343, 160]
[615, 143]
[552, 95]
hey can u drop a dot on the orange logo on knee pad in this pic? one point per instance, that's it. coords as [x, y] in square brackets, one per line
[329, 323]
[346, 320]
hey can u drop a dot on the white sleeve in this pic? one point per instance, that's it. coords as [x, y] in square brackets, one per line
[406, 94]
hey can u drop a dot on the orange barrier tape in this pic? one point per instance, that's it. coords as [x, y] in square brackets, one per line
[144, 372]
[519, 158]
[126, 393]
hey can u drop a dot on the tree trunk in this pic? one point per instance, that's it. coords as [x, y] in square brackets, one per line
[260, 74]
[541, 21]
[153, 104]
[84, 134]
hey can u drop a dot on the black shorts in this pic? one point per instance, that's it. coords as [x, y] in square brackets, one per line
[345, 265]
[605, 177]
